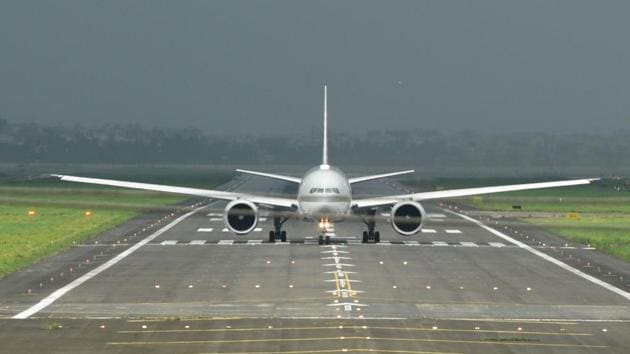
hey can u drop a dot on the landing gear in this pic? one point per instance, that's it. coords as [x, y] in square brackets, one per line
[321, 240]
[278, 235]
[370, 235]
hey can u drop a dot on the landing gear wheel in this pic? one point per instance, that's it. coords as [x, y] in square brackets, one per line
[365, 237]
[327, 240]
[377, 237]
[320, 240]
[272, 236]
[283, 236]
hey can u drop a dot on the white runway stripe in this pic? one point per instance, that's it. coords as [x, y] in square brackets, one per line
[205, 229]
[428, 231]
[197, 242]
[546, 257]
[168, 242]
[435, 216]
[496, 244]
[258, 229]
[216, 219]
[468, 244]
[225, 229]
[453, 231]
[411, 243]
[226, 242]
[254, 242]
[48, 300]
[439, 243]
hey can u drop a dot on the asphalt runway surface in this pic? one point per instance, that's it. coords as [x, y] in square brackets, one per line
[178, 283]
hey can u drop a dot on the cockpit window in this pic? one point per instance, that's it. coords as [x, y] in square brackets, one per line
[324, 190]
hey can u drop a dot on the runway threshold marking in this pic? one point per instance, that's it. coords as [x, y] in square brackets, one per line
[546, 257]
[48, 300]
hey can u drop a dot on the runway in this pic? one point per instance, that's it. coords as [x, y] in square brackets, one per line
[455, 288]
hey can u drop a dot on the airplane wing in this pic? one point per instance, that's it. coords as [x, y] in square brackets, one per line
[393, 199]
[368, 178]
[269, 201]
[271, 175]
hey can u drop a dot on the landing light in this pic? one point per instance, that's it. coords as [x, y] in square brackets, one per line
[31, 213]
[87, 213]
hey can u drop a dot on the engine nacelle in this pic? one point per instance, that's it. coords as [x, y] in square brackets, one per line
[241, 216]
[407, 217]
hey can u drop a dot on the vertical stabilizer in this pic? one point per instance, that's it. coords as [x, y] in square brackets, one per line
[325, 142]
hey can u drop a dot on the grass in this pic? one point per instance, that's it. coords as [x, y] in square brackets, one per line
[60, 218]
[609, 233]
[603, 209]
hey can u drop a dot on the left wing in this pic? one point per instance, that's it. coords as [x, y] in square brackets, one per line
[393, 199]
[208, 193]
[271, 175]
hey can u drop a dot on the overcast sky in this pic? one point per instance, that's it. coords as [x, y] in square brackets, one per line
[258, 66]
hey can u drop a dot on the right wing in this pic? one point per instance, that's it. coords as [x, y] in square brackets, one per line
[393, 199]
[270, 201]
[271, 175]
[369, 178]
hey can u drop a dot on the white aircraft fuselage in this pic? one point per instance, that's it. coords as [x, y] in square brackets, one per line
[324, 194]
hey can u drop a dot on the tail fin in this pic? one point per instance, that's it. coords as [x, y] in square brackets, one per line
[325, 142]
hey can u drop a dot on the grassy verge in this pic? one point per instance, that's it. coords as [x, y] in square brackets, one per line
[60, 218]
[609, 233]
[602, 210]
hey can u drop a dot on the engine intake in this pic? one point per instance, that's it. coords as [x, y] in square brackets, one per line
[241, 216]
[407, 217]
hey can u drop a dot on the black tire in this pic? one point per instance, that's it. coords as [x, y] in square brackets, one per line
[365, 237]
[377, 237]
[283, 236]
[320, 240]
[327, 240]
[272, 236]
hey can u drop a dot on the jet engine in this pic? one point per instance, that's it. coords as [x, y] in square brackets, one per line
[407, 217]
[241, 216]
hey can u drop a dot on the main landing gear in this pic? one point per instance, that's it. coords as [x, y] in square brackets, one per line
[370, 235]
[278, 235]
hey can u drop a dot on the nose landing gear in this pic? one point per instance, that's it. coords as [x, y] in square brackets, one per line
[324, 238]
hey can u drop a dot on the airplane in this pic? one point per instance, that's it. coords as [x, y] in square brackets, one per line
[325, 196]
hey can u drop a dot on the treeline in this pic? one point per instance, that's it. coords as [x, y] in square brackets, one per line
[465, 151]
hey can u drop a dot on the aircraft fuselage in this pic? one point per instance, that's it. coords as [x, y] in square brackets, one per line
[324, 194]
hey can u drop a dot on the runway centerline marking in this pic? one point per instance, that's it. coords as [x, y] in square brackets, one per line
[48, 300]
[546, 257]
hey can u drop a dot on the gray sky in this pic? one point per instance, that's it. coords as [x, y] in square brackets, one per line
[258, 66]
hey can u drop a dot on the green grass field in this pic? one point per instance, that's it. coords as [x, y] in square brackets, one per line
[60, 209]
[604, 211]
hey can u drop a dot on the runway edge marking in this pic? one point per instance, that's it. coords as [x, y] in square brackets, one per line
[546, 257]
[48, 300]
